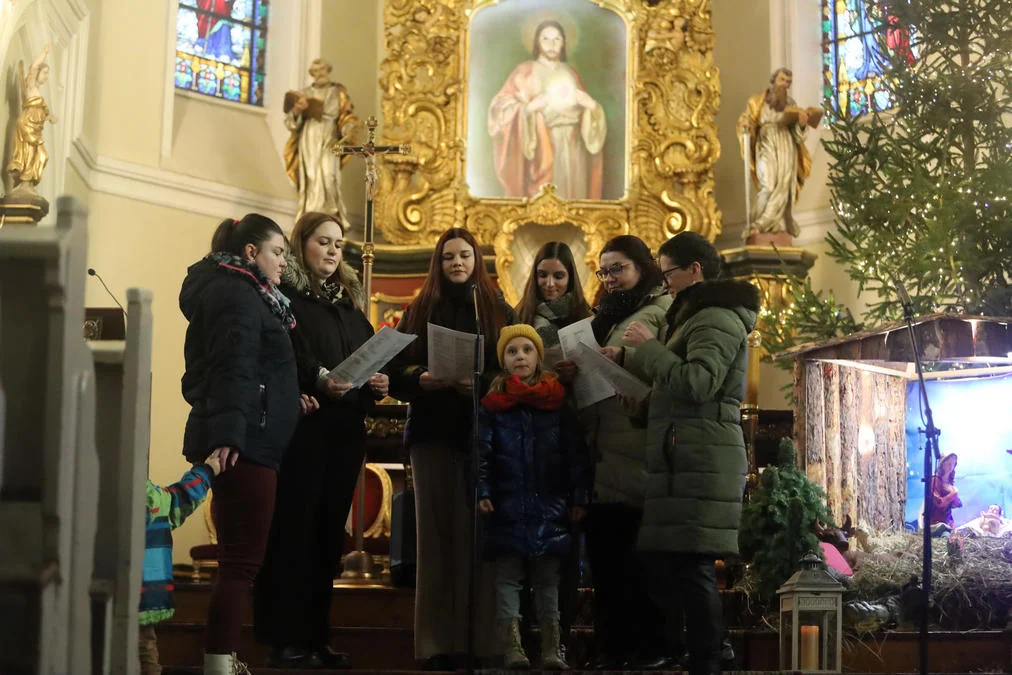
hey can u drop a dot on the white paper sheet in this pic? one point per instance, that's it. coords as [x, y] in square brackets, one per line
[588, 386]
[451, 353]
[622, 380]
[371, 356]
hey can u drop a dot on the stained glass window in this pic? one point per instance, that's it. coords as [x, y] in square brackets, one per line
[221, 48]
[853, 34]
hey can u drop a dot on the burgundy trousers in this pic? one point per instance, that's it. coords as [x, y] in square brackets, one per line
[242, 508]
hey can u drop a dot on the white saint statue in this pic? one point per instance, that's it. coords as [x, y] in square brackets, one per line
[545, 127]
[316, 115]
[777, 155]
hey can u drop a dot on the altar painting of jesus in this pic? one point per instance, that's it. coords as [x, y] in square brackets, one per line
[548, 96]
[545, 127]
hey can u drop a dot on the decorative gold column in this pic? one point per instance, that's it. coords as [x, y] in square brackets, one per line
[772, 270]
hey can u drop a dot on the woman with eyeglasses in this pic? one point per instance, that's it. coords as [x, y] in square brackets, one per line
[626, 622]
[696, 461]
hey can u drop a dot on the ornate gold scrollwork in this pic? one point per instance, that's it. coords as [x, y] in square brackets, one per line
[670, 126]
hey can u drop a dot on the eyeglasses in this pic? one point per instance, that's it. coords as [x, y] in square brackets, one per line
[612, 271]
[665, 273]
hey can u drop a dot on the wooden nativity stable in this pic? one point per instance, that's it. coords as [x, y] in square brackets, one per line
[850, 406]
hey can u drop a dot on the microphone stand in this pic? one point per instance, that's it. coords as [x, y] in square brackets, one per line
[472, 573]
[931, 454]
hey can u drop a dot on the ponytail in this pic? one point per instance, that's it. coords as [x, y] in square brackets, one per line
[231, 236]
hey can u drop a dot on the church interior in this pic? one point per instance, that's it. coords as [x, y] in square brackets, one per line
[151, 122]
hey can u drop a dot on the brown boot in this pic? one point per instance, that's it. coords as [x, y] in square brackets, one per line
[551, 659]
[512, 650]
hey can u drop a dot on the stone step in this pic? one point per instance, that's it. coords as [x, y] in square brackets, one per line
[388, 607]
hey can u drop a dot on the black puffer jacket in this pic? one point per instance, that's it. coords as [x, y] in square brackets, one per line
[533, 467]
[328, 331]
[240, 377]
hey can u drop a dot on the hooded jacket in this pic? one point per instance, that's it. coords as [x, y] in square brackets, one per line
[240, 376]
[696, 462]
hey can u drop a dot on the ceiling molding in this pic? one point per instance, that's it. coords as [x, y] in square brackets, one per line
[172, 190]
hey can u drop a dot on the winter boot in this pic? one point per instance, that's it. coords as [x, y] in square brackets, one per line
[551, 657]
[512, 650]
[224, 664]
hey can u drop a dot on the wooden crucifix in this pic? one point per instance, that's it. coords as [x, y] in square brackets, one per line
[358, 564]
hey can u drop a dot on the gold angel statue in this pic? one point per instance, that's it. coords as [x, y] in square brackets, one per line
[29, 156]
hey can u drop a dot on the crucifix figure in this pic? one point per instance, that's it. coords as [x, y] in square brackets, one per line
[358, 564]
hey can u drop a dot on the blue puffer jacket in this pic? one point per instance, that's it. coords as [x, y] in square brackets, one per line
[533, 466]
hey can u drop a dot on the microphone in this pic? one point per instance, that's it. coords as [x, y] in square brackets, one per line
[93, 273]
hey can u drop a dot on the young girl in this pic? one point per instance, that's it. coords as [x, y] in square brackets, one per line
[531, 483]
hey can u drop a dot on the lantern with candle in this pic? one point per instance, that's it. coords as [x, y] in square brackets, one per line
[811, 619]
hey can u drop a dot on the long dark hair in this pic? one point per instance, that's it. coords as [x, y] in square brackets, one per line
[231, 236]
[638, 252]
[436, 285]
[550, 23]
[528, 306]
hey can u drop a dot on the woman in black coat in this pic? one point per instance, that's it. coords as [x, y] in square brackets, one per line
[438, 439]
[242, 384]
[294, 589]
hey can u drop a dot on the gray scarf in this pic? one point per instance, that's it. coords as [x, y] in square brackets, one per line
[550, 316]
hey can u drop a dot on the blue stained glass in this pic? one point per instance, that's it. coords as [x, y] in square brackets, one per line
[207, 81]
[853, 59]
[216, 39]
[231, 86]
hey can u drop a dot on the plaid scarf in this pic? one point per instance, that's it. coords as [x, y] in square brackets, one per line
[556, 315]
[278, 303]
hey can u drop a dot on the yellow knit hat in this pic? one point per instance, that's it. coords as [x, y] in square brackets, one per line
[520, 330]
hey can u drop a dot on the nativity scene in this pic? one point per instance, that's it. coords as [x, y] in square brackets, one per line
[456, 336]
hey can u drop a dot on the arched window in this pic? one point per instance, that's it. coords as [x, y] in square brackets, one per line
[221, 48]
[854, 33]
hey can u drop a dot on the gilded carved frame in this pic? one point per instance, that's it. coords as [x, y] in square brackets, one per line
[671, 133]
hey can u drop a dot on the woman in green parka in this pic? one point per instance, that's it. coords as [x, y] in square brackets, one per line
[696, 461]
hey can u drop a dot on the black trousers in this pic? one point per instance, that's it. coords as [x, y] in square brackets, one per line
[685, 586]
[315, 488]
[626, 619]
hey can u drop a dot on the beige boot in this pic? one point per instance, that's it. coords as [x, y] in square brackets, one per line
[551, 659]
[512, 650]
[224, 664]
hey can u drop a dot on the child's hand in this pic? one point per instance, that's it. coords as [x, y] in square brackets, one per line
[577, 513]
[485, 506]
[567, 371]
[222, 458]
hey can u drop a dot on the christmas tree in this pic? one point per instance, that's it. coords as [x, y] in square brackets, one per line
[920, 190]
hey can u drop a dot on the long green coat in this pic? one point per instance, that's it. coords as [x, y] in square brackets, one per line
[617, 445]
[696, 461]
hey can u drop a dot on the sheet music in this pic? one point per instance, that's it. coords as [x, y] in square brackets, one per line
[622, 380]
[451, 353]
[589, 387]
[371, 356]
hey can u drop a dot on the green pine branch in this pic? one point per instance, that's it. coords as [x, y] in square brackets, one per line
[921, 191]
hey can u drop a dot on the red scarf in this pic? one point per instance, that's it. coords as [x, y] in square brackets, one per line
[547, 394]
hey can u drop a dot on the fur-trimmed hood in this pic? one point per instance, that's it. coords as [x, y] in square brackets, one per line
[296, 276]
[739, 296]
